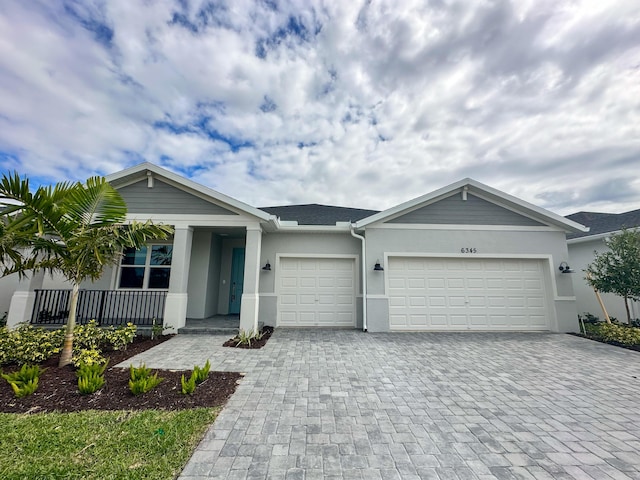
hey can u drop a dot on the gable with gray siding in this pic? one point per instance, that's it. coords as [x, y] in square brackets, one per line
[165, 198]
[454, 210]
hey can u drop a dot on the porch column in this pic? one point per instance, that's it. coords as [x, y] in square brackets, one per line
[250, 300]
[175, 308]
[23, 299]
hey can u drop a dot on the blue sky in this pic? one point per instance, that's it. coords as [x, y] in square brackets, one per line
[363, 104]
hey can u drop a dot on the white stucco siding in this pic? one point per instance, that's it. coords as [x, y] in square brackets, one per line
[549, 247]
[580, 255]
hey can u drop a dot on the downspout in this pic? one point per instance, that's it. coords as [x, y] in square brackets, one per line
[364, 278]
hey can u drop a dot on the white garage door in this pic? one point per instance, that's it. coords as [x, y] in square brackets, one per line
[466, 294]
[316, 292]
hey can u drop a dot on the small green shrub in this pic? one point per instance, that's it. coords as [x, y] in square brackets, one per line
[90, 378]
[3, 319]
[27, 345]
[141, 381]
[139, 373]
[93, 337]
[87, 357]
[200, 374]
[24, 381]
[188, 386]
[614, 332]
[246, 338]
[118, 338]
[88, 337]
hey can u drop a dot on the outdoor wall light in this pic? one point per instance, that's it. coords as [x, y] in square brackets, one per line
[377, 267]
[565, 268]
[267, 266]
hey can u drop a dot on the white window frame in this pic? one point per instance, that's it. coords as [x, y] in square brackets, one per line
[147, 267]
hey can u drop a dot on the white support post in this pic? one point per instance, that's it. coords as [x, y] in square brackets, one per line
[23, 300]
[175, 308]
[250, 300]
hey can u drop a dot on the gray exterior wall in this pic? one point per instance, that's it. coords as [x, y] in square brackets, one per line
[581, 255]
[473, 211]
[166, 199]
[304, 244]
[487, 242]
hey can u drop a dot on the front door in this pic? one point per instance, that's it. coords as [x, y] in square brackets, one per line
[237, 280]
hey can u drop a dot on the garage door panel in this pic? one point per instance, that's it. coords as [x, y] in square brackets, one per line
[316, 292]
[462, 294]
[456, 301]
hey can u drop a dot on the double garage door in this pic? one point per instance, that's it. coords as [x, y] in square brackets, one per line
[316, 292]
[466, 294]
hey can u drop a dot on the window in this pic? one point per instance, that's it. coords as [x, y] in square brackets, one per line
[147, 267]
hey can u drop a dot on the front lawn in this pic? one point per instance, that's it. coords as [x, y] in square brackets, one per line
[59, 433]
[149, 444]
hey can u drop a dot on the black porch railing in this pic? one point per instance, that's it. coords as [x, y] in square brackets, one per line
[107, 307]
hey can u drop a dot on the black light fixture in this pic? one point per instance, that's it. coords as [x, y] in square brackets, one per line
[267, 266]
[565, 268]
[377, 267]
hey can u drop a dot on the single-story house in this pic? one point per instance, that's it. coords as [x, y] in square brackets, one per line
[582, 246]
[464, 257]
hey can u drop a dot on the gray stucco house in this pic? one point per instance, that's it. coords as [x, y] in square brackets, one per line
[464, 257]
[582, 246]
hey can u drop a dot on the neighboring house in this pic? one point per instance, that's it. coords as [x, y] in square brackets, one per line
[581, 253]
[465, 257]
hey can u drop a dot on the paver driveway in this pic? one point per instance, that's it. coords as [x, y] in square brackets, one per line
[346, 404]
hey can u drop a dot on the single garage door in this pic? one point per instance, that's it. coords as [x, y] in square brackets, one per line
[316, 292]
[466, 294]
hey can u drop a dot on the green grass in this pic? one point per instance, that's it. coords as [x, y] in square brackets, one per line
[150, 444]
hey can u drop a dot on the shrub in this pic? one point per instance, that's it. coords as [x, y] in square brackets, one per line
[614, 332]
[93, 337]
[87, 357]
[121, 336]
[24, 381]
[200, 374]
[141, 381]
[27, 345]
[245, 338]
[3, 319]
[188, 386]
[90, 378]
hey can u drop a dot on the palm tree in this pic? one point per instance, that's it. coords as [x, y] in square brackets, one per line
[71, 228]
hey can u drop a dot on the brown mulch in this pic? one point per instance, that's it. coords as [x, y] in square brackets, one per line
[58, 388]
[266, 334]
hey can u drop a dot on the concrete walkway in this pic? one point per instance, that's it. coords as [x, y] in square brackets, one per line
[345, 404]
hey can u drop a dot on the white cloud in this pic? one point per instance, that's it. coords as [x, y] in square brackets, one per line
[362, 104]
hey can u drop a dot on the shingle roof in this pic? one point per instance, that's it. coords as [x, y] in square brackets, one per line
[314, 214]
[604, 222]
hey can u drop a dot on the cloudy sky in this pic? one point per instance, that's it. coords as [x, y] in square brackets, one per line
[354, 103]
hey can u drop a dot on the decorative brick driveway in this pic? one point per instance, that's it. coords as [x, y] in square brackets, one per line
[345, 404]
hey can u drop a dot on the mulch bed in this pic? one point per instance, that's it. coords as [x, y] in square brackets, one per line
[266, 334]
[615, 344]
[58, 388]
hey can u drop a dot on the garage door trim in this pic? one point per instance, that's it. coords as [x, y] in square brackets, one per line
[330, 256]
[547, 276]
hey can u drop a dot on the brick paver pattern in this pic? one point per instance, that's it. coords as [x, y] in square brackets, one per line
[342, 404]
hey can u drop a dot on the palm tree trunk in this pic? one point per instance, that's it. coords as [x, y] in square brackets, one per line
[67, 347]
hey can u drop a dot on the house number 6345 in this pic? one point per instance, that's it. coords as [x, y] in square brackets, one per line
[468, 250]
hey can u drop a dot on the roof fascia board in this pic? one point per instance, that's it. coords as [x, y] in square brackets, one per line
[184, 182]
[590, 238]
